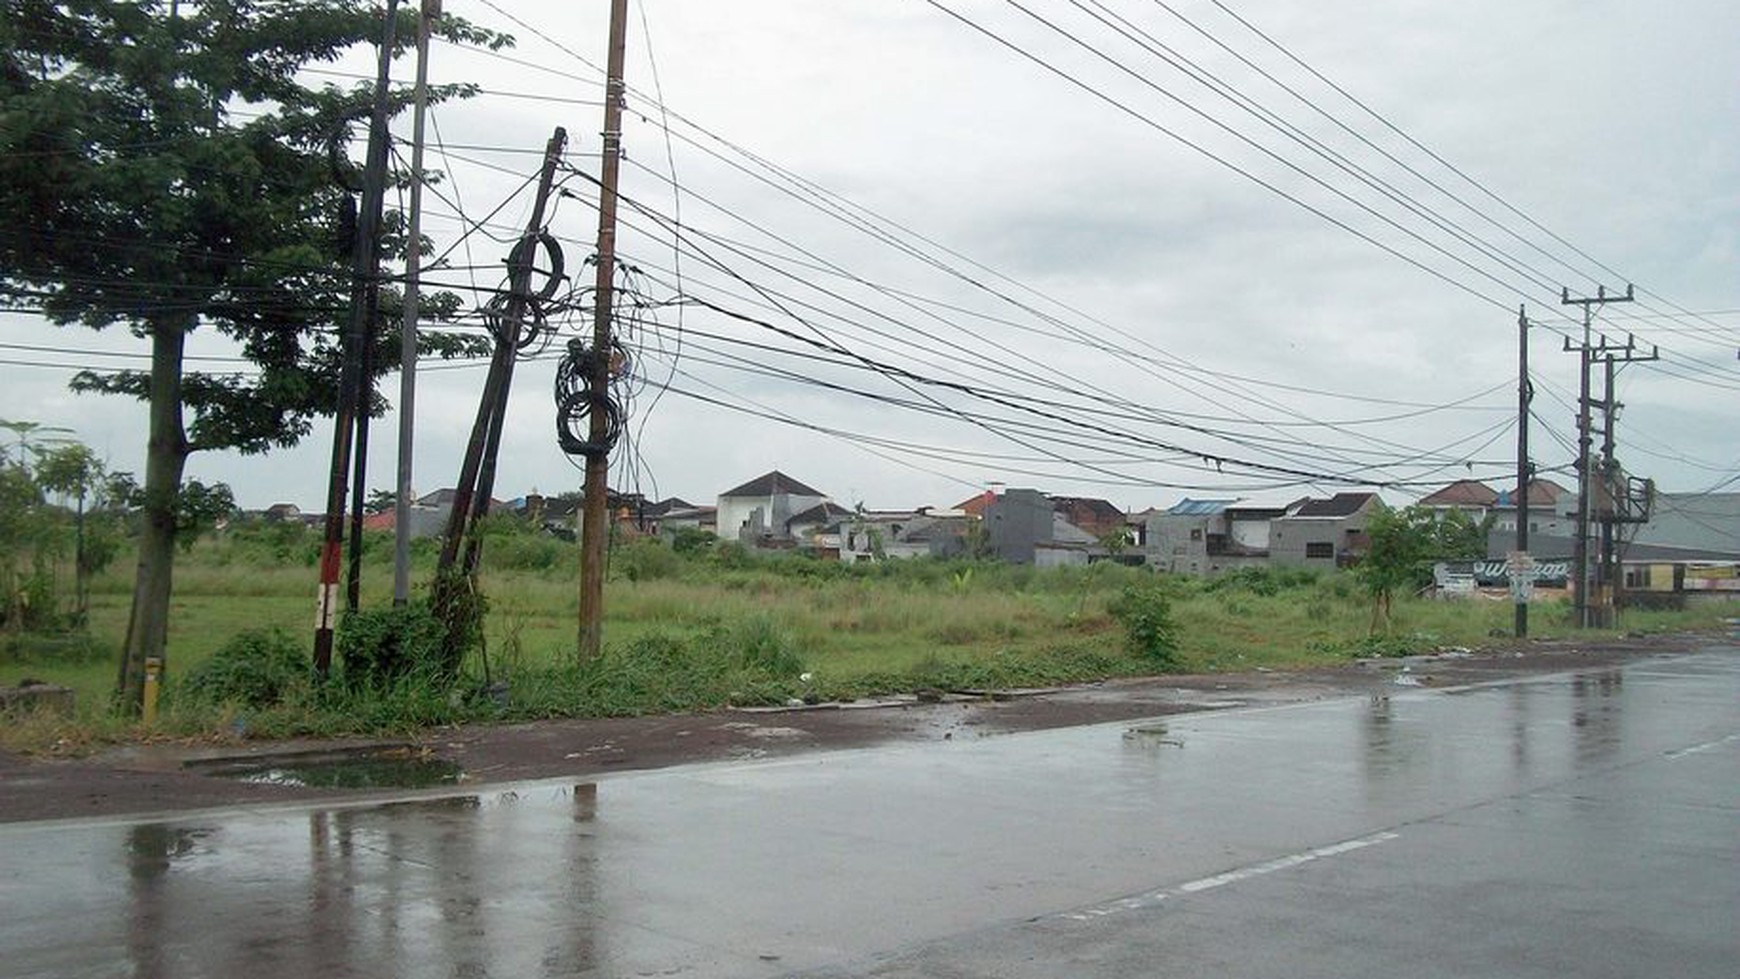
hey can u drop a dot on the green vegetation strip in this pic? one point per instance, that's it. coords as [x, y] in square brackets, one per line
[703, 628]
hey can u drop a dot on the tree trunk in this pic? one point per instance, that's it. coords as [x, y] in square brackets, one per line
[165, 456]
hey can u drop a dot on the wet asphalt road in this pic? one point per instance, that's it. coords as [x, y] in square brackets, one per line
[1578, 825]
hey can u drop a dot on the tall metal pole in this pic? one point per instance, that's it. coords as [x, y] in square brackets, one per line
[364, 266]
[594, 528]
[1524, 394]
[408, 326]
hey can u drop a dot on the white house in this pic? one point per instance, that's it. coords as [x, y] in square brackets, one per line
[760, 509]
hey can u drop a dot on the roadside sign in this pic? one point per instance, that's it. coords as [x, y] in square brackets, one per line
[1520, 567]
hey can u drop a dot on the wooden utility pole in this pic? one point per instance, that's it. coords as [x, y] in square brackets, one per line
[408, 325]
[1520, 564]
[365, 265]
[595, 527]
[1583, 611]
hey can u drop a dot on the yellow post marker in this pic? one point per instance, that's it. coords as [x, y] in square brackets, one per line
[153, 675]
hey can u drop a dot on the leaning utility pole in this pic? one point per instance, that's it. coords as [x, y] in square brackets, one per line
[408, 325]
[594, 529]
[476, 471]
[365, 265]
[1520, 571]
[1585, 439]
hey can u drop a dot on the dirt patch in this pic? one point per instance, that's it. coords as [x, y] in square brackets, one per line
[158, 778]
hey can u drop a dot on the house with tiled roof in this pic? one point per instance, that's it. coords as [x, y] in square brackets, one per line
[757, 512]
[1552, 508]
[1095, 516]
[1469, 495]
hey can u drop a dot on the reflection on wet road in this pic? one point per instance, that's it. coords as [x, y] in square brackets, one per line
[1017, 853]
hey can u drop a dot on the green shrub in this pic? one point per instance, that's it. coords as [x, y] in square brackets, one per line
[731, 555]
[1145, 612]
[256, 668]
[757, 644]
[647, 559]
[693, 540]
[1268, 581]
[526, 552]
[56, 648]
[382, 646]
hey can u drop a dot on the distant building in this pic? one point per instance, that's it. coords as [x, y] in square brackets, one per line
[282, 513]
[758, 511]
[1098, 518]
[1209, 536]
[1552, 508]
[1024, 526]
[1324, 534]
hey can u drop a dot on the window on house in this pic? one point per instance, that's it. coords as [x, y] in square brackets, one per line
[1196, 533]
[1320, 550]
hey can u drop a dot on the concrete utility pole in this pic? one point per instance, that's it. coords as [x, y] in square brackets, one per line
[1585, 439]
[1611, 491]
[408, 325]
[1525, 393]
[1616, 486]
[471, 492]
[365, 264]
[594, 528]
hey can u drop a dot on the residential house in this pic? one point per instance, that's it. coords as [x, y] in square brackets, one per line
[1024, 527]
[697, 517]
[1468, 495]
[1552, 508]
[1317, 533]
[1209, 536]
[975, 506]
[757, 512]
[933, 533]
[824, 520]
[423, 521]
[1098, 518]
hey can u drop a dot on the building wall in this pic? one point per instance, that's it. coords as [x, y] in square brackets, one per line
[1017, 522]
[1179, 543]
[1291, 541]
[734, 511]
[1251, 534]
[1058, 557]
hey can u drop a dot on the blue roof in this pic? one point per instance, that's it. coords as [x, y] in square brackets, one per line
[1188, 507]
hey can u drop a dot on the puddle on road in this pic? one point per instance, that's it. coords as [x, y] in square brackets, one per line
[392, 768]
[1152, 736]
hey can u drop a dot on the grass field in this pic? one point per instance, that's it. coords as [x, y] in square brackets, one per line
[671, 619]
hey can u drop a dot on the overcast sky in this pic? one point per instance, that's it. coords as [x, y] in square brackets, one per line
[1046, 257]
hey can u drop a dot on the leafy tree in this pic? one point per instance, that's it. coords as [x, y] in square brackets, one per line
[1116, 541]
[73, 471]
[1403, 544]
[35, 532]
[20, 532]
[30, 436]
[164, 167]
[380, 501]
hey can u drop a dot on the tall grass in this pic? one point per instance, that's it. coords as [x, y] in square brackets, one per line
[740, 630]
